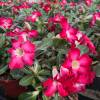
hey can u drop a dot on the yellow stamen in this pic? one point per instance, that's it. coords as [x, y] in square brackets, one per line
[75, 64]
[19, 52]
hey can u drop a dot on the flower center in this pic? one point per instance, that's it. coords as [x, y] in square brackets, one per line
[75, 64]
[19, 52]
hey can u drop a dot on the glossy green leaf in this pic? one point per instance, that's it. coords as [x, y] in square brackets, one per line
[45, 98]
[29, 96]
[26, 80]
[16, 74]
[3, 69]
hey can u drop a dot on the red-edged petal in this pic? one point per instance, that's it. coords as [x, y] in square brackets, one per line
[79, 87]
[48, 82]
[11, 34]
[33, 33]
[16, 63]
[10, 50]
[16, 43]
[67, 63]
[61, 90]
[88, 2]
[63, 71]
[86, 78]
[74, 54]
[86, 41]
[85, 60]
[28, 47]
[84, 69]
[51, 89]
[28, 58]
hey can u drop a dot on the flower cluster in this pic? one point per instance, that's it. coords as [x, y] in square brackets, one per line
[22, 50]
[75, 72]
[34, 31]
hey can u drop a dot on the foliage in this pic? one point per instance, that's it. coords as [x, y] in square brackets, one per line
[41, 24]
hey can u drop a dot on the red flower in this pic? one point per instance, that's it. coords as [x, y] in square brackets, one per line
[13, 33]
[72, 4]
[84, 40]
[69, 34]
[51, 25]
[24, 5]
[24, 35]
[53, 85]
[63, 2]
[70, 81]
[46, 7]
[88, 2]
[58, 18]
[96, 16]
[3, 3]
[21, 54]
[5, 23]
[34, 1]
[89, 44]
[76, 72]
[34, 16]
[76, 62]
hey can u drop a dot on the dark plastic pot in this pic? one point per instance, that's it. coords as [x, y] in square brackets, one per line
[11, 88]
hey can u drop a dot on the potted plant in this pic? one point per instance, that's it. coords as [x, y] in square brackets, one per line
[48, 49]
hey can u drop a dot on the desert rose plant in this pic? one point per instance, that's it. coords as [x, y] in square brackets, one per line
[50, 46]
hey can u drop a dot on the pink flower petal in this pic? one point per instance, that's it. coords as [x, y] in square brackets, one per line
[33, 33]
[79, 87]
[74, 53]
[84, 69]
[48, 82]
[28, 58]
[67, 63]
[28, 47]
[63, 71]
[61, 90]
[51, 89]
[85, 60]
[16, 43]
[86, 78]
[16, 63]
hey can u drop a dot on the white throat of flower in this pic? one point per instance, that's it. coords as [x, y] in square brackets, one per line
[19, 52]
[75, 64]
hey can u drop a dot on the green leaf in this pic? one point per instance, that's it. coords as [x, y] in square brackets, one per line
[59, 42]
[44, 97]
[98, 22]
[29, 96]
[97, 69]
[83, 49]
[3, 69]
[17, 74]
[26, 71]
[47, 42]
[27, 80]
[36, 67]
[56, 97]
[44, 73]
[2, 40]
[39, 88]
